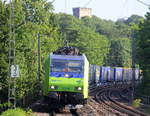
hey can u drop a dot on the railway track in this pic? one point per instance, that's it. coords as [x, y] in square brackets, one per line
[130, 110]
[114, 107]
[103, 101]
[87, 110]
[40, 108]
[53, 113]
[92, 108]
[99, 104]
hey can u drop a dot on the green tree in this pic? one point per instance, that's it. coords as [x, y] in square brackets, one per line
[107, 27]
[3, 49]
[38, 19]
[69, 26]
[120, 53]
[136, 19]
[143, 48]
[30, 17]
[93, 44]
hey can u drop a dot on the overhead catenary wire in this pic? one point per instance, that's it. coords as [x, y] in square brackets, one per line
[125, 11]
[66, 6]
[143, 3]
[88, 3]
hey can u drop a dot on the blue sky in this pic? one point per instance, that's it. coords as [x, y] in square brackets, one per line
[105, 9]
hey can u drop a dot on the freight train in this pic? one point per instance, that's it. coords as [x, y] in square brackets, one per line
[66, 77]
[109, 75]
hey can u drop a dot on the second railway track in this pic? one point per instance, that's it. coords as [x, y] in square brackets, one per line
[104, 101]
[114, 107]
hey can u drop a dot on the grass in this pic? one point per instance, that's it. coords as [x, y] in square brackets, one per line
[17, 112]
[136, 103]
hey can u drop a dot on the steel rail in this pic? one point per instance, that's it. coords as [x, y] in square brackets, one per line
[125, 107]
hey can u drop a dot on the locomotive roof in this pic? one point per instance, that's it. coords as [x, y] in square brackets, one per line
[67, 57]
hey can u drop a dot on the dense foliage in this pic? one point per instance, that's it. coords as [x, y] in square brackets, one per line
[133, 19]
[31, 17]
[143, 48]
[120, 53]
[4, 29]
[115, 35]
[94, 45]
[119, 34]
[107, 27]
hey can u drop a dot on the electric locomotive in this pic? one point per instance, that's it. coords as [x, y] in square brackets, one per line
[66, 77]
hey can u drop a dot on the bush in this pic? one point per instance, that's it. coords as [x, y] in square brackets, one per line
[136, 103]
[16, 112]
[4, 106]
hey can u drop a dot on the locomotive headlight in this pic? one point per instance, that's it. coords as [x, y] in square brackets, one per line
[52, 87]
[66, 75]
[79, 88]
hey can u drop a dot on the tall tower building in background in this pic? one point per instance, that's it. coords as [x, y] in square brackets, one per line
[82, 12]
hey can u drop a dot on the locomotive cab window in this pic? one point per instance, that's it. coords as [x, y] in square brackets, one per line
[74, 66]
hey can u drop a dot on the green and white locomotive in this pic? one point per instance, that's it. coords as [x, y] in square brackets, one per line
[66, 77]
